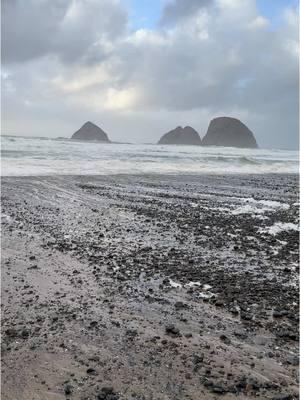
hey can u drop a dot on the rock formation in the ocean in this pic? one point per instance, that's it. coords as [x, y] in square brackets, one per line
[181, 135]
[230, 132]
[91, 132]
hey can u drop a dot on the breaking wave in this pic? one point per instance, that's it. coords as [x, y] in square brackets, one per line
[47, 156]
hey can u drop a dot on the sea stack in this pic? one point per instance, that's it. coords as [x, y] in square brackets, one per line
[180, 135]
[229, 132]
[90, 132]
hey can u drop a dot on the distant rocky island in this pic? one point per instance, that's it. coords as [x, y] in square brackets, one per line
[230, 132]
[180, 135]
[90, 132]
[222, 131]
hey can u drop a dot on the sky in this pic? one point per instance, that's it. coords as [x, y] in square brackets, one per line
[139, 68]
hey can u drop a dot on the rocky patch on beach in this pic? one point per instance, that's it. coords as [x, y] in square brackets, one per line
[150, 288]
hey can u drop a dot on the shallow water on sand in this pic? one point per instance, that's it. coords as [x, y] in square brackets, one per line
[46, 156]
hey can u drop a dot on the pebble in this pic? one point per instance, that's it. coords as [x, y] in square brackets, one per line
[172, 330]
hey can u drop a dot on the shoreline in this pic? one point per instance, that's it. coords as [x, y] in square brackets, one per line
[158, 286]
[158, 175]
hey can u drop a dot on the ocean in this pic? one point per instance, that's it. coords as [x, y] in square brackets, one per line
[30, 156]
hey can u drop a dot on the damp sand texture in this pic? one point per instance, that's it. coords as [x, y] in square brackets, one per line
[144, 287]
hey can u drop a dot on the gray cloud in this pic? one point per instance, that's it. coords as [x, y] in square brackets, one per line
[179, 9]
[70, 29]
[225, 59]
[214, 60]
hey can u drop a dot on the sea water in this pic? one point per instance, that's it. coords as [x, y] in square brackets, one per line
[22, 156]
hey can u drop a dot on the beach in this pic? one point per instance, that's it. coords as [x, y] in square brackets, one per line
[150, 287]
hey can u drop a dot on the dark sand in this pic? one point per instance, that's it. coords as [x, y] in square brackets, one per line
[89, 307]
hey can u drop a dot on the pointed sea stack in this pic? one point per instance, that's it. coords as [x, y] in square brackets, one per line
[181, 135]
[90, 132]
[229, 132]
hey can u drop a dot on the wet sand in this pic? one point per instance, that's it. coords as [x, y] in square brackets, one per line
[144, 287]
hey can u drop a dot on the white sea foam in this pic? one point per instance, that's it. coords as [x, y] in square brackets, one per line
[248, 209]
[175, 285]
[206, 295]
[280, 227]
[192, 284]
[260, 207]
[40, 156]
[5, 218]
[271, 204]
[206, 288]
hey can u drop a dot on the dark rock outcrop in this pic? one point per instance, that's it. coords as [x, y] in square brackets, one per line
[230, 132]
[181, 135]
[90, 132]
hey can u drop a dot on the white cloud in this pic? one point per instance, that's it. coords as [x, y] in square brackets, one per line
[259, 22]
[124, 99]
[81, 79]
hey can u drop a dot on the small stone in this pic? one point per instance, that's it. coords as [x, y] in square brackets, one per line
[277, 314]
[218, 388]
[287, 334]
[91, 371]
[180, 305]
[240, 334]
[198, 359]
[246, 316]
[283, 397]
[33, 267]
[287, 270]
[225, 339]
[172, 330]
[107, 393]
[11, 332]
[219, 303]
[24, 333]
[293, 360]
[68, 389]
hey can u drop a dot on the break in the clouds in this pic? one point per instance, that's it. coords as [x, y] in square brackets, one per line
[68, 61]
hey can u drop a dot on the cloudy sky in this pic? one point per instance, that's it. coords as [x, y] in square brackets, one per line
[139, 68]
